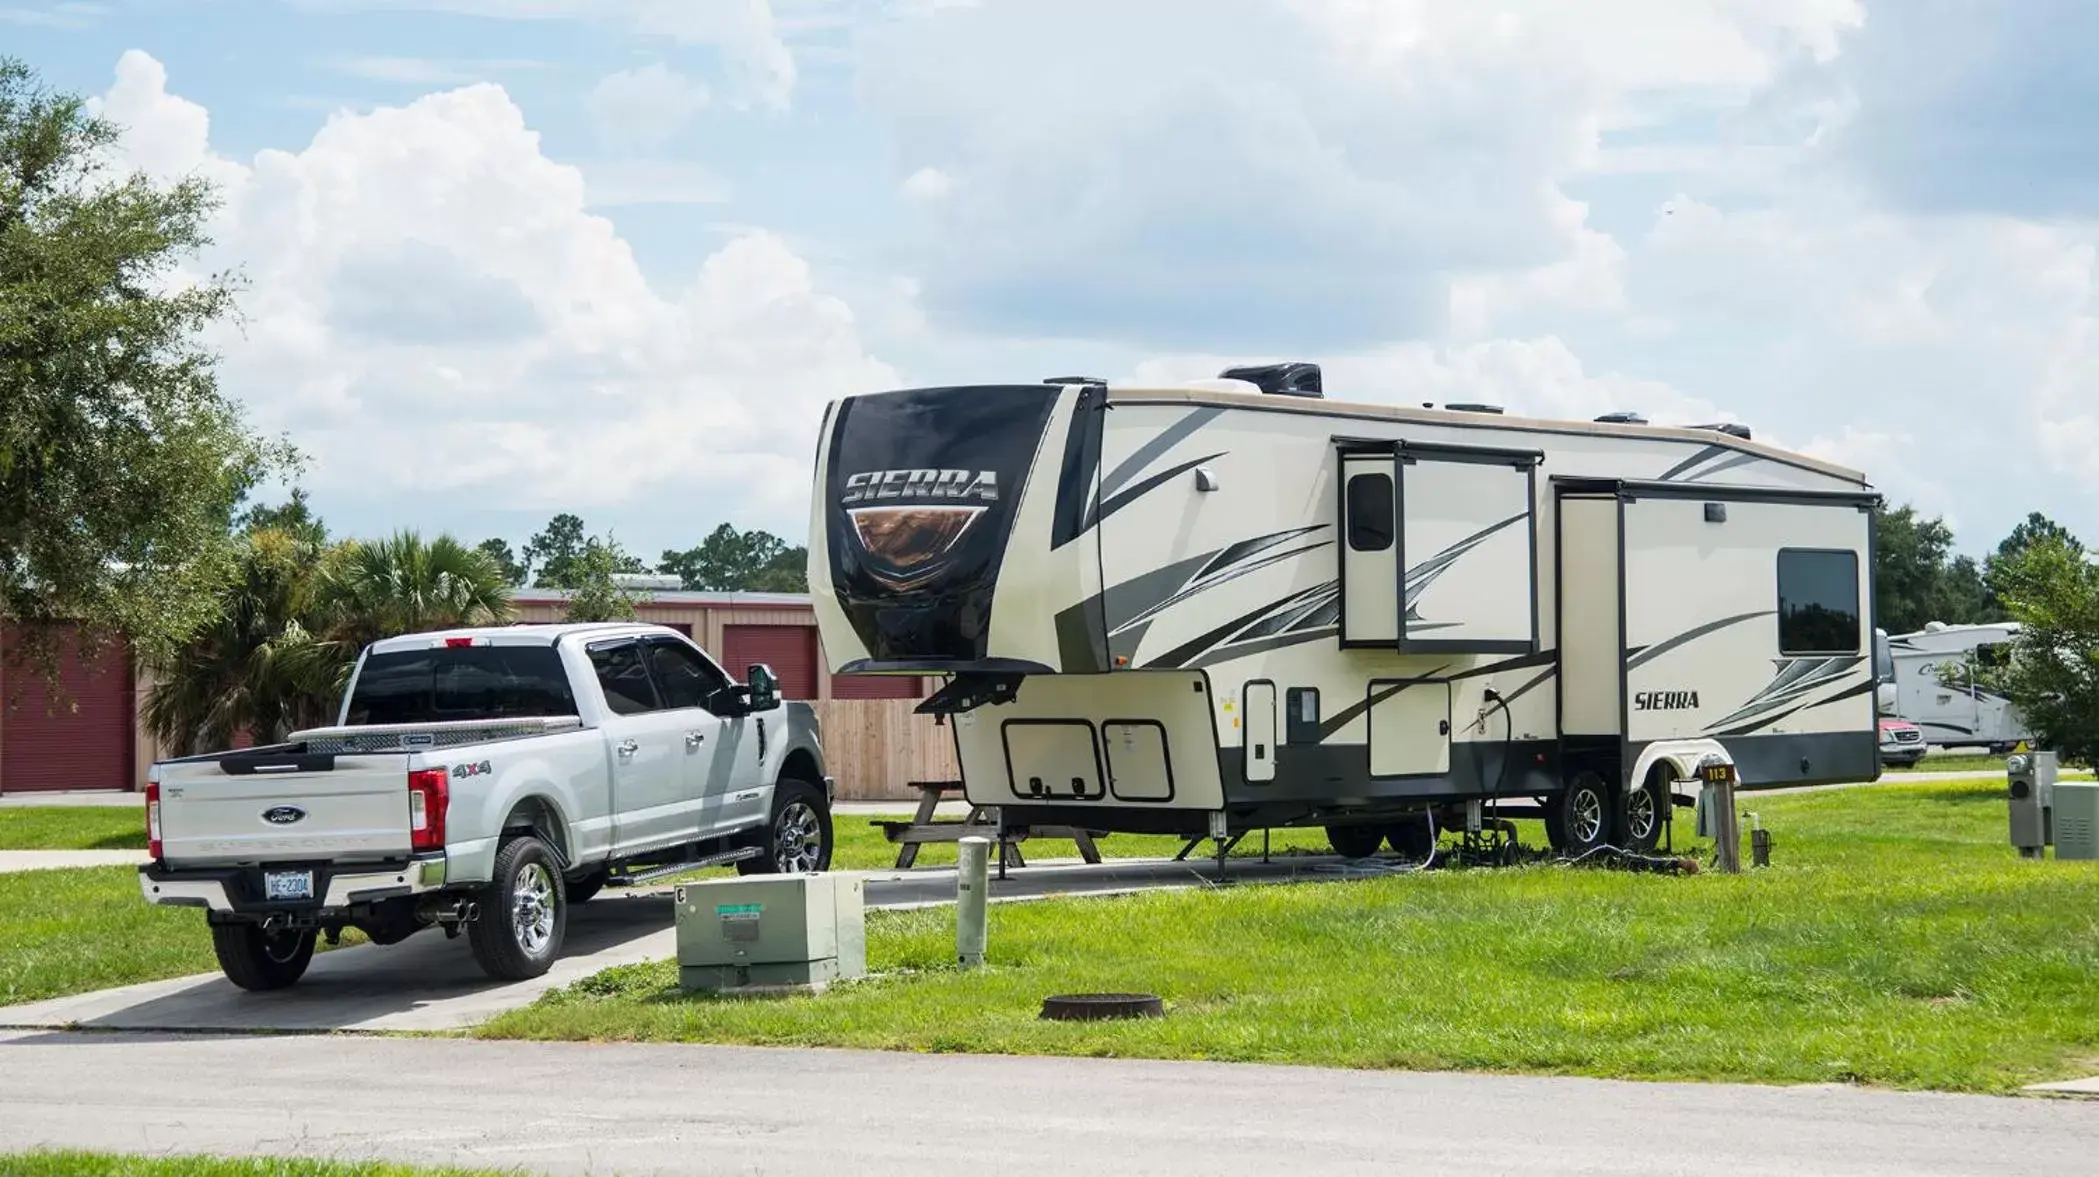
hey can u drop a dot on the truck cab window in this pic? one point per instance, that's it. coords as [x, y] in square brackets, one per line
[686, 678]
[624, 677]
[1818, 602]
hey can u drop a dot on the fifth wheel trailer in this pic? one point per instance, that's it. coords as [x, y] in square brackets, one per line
[1240, 605]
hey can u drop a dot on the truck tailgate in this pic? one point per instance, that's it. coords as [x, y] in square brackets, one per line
[244, 807]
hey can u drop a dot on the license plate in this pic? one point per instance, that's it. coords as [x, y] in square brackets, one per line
[287, 884]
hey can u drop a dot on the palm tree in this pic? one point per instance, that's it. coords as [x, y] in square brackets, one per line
[229, 678]
[400, 584]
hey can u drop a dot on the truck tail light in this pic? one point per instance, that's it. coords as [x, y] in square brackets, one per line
[429, 794]
[153, 846]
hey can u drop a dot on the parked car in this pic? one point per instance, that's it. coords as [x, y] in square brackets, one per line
[481, 781]
[1901, 742]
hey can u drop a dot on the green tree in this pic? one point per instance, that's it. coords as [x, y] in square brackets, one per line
[1917, 579]
[294, 516]
[595, 593]
[729, 560]
[121, 462]
[556, 553]
[499, 551]
[380, 588]
[228, 677]
[2051, 589]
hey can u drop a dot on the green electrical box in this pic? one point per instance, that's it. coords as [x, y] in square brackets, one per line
[764, 932]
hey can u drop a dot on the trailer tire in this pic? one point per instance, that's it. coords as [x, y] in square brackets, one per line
[1580, 819]
[1643, 813]
[524, 913]
[259, 961]
[799, 817]
[1355, 841]
[1413, 837]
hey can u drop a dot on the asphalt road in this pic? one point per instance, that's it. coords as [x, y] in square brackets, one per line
[430, 983]
[558, 1108]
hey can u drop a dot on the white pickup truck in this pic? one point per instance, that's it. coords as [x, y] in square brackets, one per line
[481, 780]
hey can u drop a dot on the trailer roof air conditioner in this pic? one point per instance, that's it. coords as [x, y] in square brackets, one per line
[1291, 379]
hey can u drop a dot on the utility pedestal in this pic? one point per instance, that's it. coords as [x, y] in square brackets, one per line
[781, 933]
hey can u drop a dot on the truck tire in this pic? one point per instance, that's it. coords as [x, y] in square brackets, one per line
[797, 838]
[260, 961]
[582, 887]
[1413, 837]
[524, 913]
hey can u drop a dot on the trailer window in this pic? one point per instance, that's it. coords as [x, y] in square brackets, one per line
[1370, 516]
[461, 683]
[1818, 602]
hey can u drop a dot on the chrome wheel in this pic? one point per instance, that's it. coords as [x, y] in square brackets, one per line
[1586, 817]
[1640, 814]
[798, 840]
[532, 908]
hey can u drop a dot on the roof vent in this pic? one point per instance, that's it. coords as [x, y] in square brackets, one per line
[1729, 428]
[1621, 419]
[1472, 407]
[1291, 379]
[1074, 380]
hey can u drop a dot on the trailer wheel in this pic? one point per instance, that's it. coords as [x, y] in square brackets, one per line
[1580, 820]
[1644, 812]
[524, 913]
[259, 961]
[1357, 841]
[1413, 837]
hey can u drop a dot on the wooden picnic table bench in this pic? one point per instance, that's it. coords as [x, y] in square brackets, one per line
[983, 820]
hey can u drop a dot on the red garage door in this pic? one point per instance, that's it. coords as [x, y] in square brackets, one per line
[84, 742]
[789, 649]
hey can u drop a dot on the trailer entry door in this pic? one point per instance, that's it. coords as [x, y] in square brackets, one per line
[1369, 515]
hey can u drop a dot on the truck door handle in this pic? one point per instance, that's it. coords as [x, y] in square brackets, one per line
[694, 739]
[628, 748]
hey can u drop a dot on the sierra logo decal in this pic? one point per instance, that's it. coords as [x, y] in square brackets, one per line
[1666, 701]
[874, 485]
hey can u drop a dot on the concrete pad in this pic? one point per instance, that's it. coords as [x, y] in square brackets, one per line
[2088, 1088]
[430, 983]
[12, 861]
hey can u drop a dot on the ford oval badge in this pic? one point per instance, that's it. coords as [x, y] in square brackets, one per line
[283, 815]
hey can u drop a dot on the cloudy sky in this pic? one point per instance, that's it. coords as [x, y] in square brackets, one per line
[511, 257]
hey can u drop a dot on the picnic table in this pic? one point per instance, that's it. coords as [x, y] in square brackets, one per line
[982, 820]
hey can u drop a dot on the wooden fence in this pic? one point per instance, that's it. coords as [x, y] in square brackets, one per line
[873, 746]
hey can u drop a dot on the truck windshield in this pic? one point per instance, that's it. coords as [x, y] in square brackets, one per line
[461, 683]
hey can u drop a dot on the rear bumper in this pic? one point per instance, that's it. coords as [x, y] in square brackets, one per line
[238, 890]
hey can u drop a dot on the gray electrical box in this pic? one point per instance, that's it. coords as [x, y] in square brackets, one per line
[2030, 781]
[771, 932]
[2076, 817]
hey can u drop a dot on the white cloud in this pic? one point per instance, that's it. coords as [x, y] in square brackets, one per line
[434, 314]
[1260, 171]
[743, 30]
[929, 184]
[645, 107]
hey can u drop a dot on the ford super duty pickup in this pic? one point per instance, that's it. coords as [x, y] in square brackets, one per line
[480, 781]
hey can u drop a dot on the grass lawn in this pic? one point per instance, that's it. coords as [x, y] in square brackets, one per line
[68, 827]
[1978, 762]
[79, 1164]
[1896, 941]
[73, 931]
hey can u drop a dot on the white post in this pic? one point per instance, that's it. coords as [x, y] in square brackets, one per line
[972, 885]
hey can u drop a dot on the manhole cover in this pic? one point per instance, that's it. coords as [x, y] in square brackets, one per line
[1095, 1007]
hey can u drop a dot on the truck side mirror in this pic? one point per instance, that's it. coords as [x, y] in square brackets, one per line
[765, 687]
